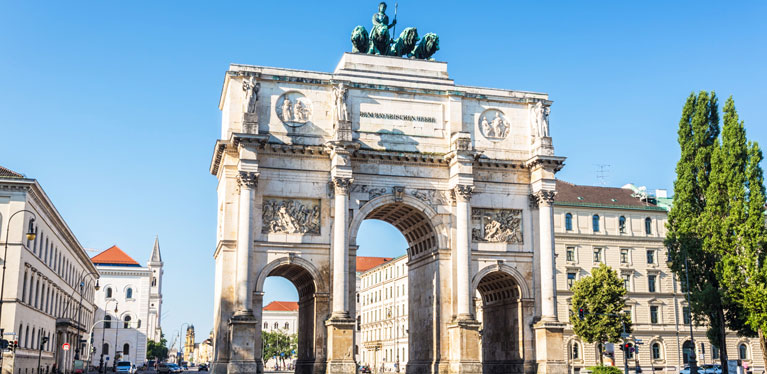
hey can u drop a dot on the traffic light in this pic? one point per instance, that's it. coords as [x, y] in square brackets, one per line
[14, 344]
[581, 313]
[43, 341]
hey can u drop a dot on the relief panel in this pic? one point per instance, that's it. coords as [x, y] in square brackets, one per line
[496, 225]
[291, 216]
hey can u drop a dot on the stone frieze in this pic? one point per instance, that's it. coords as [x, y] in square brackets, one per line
[496, 225]
[291, 216]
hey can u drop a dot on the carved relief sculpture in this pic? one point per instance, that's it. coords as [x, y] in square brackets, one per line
[340, 96]
[542, 198]
[251, 88]
[342, 185]
[463, 192]
[539, 118]
[291, 216]
[496, 225]
[493, 125]
[294, 109]
[247, 179]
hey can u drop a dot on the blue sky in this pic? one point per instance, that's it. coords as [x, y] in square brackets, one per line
[112, 106]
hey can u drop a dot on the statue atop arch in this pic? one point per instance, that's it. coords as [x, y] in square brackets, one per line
[380, 42]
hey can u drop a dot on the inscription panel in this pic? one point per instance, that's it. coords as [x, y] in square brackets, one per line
[394, 116]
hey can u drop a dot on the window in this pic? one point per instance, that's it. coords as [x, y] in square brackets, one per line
[109, 292]
[624, 255]
[126, 322]
[571, 254]
[126, 349]
[129, 293]
[656, 351]
[654, 314]
[105, 349]
[266, 325]
[650, 256]
[154, 281]
[107, 322]
[627, 282]
[569, 222]
[622, 224]
[648, 225]
[276, 325]
[575, 352]
[743, 352]
[287, 325]
[570, 280]
[595, 222]
[715, 352]
[651, 282]
[686, 316]
[597, 254]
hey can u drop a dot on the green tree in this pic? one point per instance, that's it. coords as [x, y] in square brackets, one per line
[602, 296]
[157, 350]
[279, 344]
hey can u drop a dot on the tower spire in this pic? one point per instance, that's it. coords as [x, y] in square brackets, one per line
[156, 257]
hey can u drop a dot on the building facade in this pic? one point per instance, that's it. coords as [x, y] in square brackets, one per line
[188, 352]
[625, 228]
[383, 316]
[49, 280]
[129, 295]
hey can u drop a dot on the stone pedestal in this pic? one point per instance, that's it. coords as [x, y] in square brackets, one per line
[250, 123]
[341, 346]
[464, 347]
[549, 350]
[245, 355]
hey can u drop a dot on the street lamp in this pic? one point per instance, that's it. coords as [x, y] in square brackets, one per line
[103, 332]
[180, 346]
[31, 235]
[691, 359]
[76, 356]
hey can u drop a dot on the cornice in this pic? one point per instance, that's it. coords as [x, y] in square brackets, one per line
[612, 238]
[548, 162]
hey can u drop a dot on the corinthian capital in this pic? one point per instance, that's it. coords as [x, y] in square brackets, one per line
[543, 198]
[463, 192]
[247, 179]
[342, 185]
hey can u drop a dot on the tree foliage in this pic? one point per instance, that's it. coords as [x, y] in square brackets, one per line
[157, 350]
[602, 296]
[279, 344]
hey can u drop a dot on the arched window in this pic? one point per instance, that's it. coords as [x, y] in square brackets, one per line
[126, 349]
[287, 325]
[655, 348]
[129, 293]
[107, 322]
[687, 351]
[154, 281]
[743, 352]
[26, 337]
[109, 292]
[595, 222]
[105, 349]
[622, 224]
[575, 351]
[569, 222]
[266, 325]
[126, 323]
[648, 225]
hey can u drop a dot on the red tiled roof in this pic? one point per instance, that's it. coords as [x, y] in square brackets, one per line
[603, 196]
[114, 256]
[5, 172]
[282, 306]
[366, 263]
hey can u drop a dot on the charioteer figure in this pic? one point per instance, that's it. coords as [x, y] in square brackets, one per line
[381, 18]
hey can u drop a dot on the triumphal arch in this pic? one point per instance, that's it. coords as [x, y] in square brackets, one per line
[465, 173]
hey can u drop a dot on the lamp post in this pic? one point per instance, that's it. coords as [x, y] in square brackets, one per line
[691, 359]
[76, 356]
[31, 234]
[103, 332]
[180, 346]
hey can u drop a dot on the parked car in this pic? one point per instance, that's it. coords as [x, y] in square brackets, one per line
[712, 369]
[686, 370]
[364, 369]
[164, 368]
[202, 367]
[125, 367]
[175, 368]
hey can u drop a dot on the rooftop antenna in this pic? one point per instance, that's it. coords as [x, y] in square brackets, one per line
[603, 174]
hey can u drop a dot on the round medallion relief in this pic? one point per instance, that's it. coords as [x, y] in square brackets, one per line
[294, 109]
[493, 125]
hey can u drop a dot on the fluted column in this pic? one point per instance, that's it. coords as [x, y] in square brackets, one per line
[247, 182]
[545, 201]
[341, 247]
[463, 249]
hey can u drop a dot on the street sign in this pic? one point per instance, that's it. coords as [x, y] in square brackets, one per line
[625, 335]
[65, 346]
[9, 333]
[638, 341]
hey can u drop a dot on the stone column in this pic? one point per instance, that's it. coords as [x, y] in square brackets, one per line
[341, 247]
[247, 182]
[545, 200]
[243, 326]
[463, 250]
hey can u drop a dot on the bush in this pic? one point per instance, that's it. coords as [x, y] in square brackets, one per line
[605, 370]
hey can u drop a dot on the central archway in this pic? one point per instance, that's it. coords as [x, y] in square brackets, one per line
[419, 225]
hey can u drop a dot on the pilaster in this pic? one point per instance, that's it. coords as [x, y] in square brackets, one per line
[341, 345]
[464, 347]
[244, 350]
[549, 347]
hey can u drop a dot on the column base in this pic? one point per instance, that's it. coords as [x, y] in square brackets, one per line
[548, 347]
[244, 356]
[244, 367]
[464, 345]
[341, 345]
[218, 368]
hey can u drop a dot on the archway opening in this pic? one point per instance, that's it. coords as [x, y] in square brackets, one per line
[395, 300]
[289, 320]
[499, 310]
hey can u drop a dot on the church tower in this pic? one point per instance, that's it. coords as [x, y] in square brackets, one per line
[155, 292]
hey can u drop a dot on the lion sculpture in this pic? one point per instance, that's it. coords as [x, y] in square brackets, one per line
[428, 46]
[405, 44]
[379, 40]
[360, 40]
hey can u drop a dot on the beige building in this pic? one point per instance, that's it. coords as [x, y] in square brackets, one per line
[625, 228]
[49, 280]
[383, 316]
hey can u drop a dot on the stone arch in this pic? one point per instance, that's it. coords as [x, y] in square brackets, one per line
[524, 290]
[318, 281]
[417, 221]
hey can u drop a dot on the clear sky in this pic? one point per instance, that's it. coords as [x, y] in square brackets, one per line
[112, 106]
